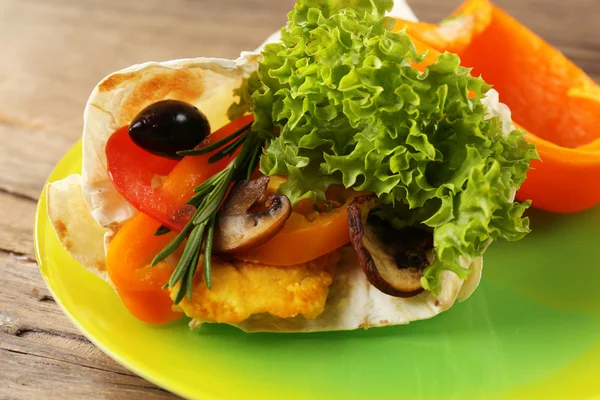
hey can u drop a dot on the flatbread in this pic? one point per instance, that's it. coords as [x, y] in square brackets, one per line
[86, 211]
[78, 232]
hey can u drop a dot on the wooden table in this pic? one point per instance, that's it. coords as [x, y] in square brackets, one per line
[52, 55]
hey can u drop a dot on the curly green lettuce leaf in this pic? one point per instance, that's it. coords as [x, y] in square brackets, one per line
[350, 107]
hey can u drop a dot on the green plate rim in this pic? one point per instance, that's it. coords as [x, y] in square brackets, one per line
[41, 213]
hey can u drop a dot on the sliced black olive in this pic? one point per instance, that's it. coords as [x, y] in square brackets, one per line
[169, 126]
[393, 260]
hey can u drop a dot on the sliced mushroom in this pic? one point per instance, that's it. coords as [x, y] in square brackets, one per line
[238, 227]
[393, 260]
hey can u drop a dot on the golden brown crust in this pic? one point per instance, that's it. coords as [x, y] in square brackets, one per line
[241, 289]
[114, 81]
[183, 84]
[100, 266]
[61, 229]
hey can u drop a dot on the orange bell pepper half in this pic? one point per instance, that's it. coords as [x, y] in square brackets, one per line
[455, 33]
[549, 96]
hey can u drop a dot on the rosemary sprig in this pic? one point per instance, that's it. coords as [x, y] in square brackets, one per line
[208, 252]
[217, 144]
[191, 252]
[228, 150]
[208, 197]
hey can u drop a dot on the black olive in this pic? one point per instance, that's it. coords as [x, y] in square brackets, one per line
[169, 126]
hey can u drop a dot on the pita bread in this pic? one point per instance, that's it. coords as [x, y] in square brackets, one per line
[86, 211]
[78, 232]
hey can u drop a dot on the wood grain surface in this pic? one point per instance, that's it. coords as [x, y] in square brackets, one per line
[52, 55]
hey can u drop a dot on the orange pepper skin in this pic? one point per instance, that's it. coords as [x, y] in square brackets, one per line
[150, 307]
[533, 79]
[538, 84]
[302, 240]
[565, 181]
[131, 251]
[429, 59]
[128, 264]
[551, 98]
[456, 33]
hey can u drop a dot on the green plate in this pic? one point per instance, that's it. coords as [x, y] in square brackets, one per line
[531, 330]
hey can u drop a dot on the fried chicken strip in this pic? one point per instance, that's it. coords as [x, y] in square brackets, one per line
[241, 289]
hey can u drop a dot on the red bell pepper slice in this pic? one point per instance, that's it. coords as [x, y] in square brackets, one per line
[132, 170]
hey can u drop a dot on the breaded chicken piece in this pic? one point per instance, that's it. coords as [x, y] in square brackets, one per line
[241, 289]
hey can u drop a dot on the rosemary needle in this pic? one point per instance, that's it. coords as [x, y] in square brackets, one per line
[209, 181]
[162, 230]
[193, 266]
[227, 151]
[171, 247]
[214, 199]
[208, 252]
[195, 201]
[253, 162]
[215, 145]
[191, 252]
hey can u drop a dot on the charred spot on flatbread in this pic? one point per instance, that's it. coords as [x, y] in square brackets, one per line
[112, 82]
[182, 84]
[61, 229]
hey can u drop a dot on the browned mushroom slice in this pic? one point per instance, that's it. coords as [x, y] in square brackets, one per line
[238, 227]
[393, 260]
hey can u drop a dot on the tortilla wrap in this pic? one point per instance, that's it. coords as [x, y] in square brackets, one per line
[86, 211]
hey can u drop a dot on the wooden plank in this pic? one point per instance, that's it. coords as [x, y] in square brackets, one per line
[42, 96]
[16, 216]
[44, 85]
[47, 84]
[25, 303]
[30, 155]
[57, 53]
[58, 368]
[37, 340]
